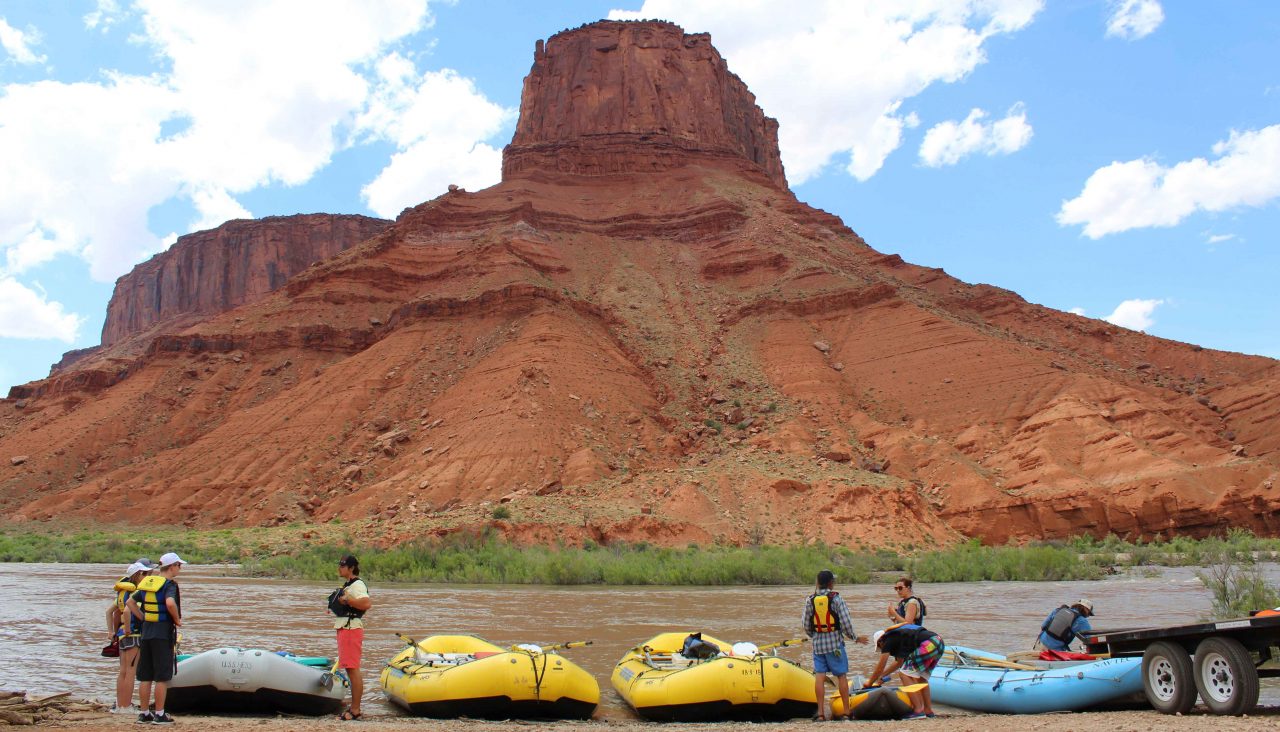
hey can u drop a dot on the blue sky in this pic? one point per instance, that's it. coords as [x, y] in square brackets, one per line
[1116, 157]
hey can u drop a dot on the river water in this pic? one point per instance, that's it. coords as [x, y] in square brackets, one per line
[53, 627]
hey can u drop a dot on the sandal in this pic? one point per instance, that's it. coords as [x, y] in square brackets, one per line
[350, 716]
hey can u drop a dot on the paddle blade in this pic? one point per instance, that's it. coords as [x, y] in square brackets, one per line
[913, 688]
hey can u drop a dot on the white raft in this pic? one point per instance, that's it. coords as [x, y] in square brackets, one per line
[252, 680]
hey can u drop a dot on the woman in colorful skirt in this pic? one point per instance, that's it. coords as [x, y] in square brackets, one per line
[915, 651]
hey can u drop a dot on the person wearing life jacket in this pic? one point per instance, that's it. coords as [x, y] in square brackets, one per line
[909, 609]
[158, 604]
[916, 651]
[826, 621]
[350, 602]
[125, 632]
[1064, 625]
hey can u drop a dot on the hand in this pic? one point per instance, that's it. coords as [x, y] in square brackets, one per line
[862, 640]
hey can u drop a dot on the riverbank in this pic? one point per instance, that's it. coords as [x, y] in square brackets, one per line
[1130, 721]
[310, 552]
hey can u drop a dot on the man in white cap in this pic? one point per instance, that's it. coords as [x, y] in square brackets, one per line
[1064, 625]
[158, 603]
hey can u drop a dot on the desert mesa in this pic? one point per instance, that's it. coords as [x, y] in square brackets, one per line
[639, 334]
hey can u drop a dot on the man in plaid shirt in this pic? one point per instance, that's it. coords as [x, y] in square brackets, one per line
[826, 621]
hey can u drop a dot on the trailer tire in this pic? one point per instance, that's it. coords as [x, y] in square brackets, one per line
[1225, 676]
[1167, 678]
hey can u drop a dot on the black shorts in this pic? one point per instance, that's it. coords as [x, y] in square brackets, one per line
[155, 662]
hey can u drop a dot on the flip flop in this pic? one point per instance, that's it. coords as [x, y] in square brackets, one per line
[350, 716]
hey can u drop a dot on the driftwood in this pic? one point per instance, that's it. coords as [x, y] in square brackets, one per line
[18, 708]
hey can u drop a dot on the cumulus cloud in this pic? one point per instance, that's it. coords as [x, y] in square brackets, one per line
[835, 74]
[1077, 311]
[25, 313]
[946, 143]
[1142, 193]
[437, 121]
[17, 44]
[249, 95]
[1134, 19]
[1134, 314]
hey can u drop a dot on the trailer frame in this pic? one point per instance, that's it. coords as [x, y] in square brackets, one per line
[1218, 661]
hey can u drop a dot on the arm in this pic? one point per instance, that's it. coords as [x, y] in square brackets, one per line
[172, 606]
[913, 612]
[132, 606]
[806, 620]
[846, 623]
[113, 620]
[358, 603]
[880, 670]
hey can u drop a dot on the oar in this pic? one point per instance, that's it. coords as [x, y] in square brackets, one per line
[555, 647]
[783, 644]
[326, 678]
[985, 661]
[910, 689]
[406, 639]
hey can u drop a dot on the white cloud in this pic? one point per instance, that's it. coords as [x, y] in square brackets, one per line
[25, 313]
[1134, 19]
[835, 73]
[438, 122]
[104, 15]
[1219, 238]
[1134, 314]
[1077, 311]
[18, 43]
[946, 143]
[263, 93]
[1142, 193]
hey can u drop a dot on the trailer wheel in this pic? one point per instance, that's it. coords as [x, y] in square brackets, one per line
[1226, 676]
[1167, 678]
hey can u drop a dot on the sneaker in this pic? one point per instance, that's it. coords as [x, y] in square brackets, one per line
[162, 718]
[145, 718]
[915, 715]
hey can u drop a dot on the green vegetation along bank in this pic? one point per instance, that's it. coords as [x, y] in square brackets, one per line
[310, 553]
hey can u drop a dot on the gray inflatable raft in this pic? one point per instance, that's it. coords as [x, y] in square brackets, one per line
[251, 680]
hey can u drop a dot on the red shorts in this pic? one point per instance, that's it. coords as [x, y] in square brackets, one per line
[350, 647]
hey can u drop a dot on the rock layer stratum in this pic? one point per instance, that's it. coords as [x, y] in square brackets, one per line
[641, 334]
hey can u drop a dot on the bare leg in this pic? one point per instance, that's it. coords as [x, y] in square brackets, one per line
[162, 689]
[928, 700]
[843, 681]
[917, 701]
[124, 678]
[357, 688]
[144, 695]
[820, 690]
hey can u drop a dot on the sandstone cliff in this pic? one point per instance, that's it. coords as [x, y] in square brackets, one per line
[213, 271]
[630, 339]
[616, 97]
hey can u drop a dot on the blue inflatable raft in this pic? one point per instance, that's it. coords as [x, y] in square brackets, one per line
[974, 680]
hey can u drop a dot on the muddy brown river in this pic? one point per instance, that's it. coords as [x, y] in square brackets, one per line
[52, 629]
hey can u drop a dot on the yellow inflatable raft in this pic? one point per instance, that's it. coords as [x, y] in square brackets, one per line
[463, 676]
[740, 682]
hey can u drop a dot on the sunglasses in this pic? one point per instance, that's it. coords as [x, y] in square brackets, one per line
[899, 587]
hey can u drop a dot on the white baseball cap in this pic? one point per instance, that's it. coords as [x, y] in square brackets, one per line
[875, 637]
[170, 558]
[135, 568]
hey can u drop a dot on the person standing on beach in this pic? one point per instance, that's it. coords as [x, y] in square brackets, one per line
[910, 609]
[350, 602]
[126, 631]
[158, 604]
[826, 621]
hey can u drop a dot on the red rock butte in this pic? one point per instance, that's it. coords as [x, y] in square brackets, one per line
[639, 334]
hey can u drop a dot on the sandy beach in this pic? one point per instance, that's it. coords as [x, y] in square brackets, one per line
[1126, 721]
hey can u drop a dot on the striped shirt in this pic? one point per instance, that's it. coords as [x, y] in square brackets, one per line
[829, 642]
